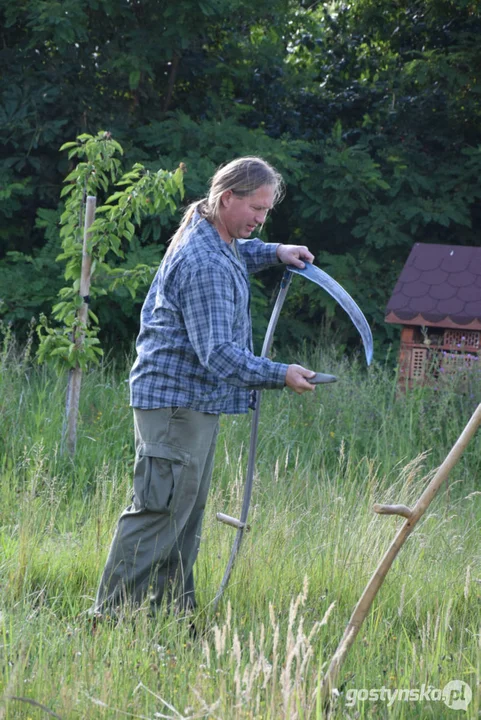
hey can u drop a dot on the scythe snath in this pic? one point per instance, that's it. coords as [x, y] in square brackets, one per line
[336, 291]
[412, 517]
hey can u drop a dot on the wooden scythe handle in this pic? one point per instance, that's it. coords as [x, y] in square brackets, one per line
[413, 515]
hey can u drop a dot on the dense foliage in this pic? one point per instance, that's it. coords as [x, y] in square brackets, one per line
[371, 110]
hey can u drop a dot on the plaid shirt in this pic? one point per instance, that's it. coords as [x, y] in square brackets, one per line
[194, 348]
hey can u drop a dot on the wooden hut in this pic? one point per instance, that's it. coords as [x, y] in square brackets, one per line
[437, 300]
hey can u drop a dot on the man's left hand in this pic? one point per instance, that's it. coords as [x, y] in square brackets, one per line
[294, 255]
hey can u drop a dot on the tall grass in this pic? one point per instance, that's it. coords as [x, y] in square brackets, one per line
[314, 542]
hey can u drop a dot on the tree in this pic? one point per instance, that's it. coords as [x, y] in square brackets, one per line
[88, 246]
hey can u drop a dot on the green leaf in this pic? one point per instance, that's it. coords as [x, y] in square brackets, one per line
[134, 79]
[68, 145]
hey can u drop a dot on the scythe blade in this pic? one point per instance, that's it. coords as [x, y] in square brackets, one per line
[332, 287]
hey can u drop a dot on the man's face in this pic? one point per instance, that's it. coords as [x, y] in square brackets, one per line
[239, 216]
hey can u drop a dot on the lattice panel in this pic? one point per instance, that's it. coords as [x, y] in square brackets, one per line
[462, 338]
[418, 363]
[458, 361]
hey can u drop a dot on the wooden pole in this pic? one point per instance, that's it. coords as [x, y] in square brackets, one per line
[75, 380]
[413, 515]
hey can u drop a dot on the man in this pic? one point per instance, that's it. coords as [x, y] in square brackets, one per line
[194, 362]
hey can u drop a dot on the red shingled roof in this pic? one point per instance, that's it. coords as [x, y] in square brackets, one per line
[439, 285]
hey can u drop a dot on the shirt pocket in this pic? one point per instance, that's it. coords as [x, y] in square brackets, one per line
[158, 475]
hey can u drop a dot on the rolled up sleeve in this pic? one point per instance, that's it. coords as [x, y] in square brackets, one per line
[257, 254]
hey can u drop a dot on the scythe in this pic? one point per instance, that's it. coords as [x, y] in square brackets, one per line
[412, 515]
[327, 283]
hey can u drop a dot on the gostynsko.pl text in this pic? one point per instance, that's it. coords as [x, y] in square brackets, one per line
[456, 694]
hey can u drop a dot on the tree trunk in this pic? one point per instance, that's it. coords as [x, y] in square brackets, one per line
[75, 380]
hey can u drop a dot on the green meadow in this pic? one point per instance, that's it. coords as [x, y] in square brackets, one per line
[314, 541]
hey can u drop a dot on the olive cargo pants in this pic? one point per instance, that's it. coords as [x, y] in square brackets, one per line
[157, 537]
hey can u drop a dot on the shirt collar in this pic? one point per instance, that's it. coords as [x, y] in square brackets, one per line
[212, 236]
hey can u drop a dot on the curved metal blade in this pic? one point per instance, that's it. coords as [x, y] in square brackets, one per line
[331, 286]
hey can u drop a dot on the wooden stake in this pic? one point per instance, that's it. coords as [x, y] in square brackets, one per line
[75, 380]
[362, 608]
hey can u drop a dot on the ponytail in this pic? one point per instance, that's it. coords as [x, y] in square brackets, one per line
[180, 235]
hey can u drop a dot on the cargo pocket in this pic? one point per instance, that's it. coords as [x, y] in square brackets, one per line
[157, 476]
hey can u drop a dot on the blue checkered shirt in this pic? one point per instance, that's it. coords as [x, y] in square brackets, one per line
[194, 348]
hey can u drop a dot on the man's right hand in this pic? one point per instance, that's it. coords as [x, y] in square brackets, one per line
[296, 379]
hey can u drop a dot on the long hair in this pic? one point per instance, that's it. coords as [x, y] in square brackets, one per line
[243, 176]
